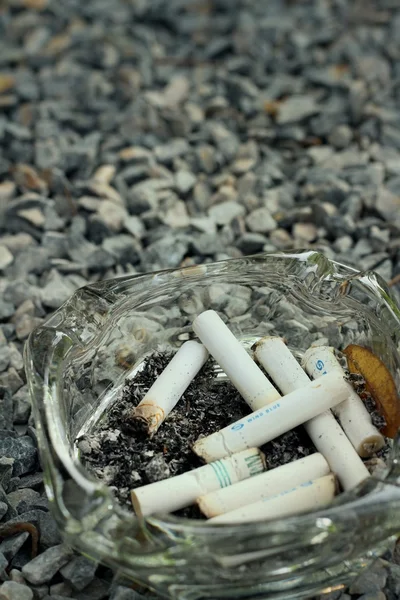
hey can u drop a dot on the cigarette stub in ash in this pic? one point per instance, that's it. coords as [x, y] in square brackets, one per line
[170, 385]
[177, 492]
[267, 423]
[310, 495]
[264, 485]
[325, 432]
[353, 416]
[241, 369]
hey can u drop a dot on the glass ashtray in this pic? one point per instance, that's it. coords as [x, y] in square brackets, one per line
[77, 363]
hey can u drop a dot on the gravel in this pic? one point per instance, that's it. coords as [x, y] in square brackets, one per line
[10, 590]
[150, 136]
[79, 572]
[43, 568]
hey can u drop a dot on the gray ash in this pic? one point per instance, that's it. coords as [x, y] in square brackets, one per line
[289, 446]
[124, 457]
[384, 453]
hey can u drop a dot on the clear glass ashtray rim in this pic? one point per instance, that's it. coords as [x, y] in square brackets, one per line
[330, 271]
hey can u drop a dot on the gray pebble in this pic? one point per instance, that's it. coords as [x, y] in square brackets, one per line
[250, 243]
[16, 359]
[22, 451]
[16, 576]
[296, 108]
[6, 465]
[340, 137]
[385, 270]
[4, 357]
[43, 568]
[167, 252]
[207, 158]
[56, 291]
[6, 258]
[3, 568]
[35, 480]
[371, 580]
[12, 380]
[49, 532]
[261, 221]
[11, 545]
[387, 204]
[6, 408]
[305, 232]
[96, 590]
[134, 226]
[124, 248]
[3, 509]
[61, 589]
[79, 572]
[22, 406]
[185, 181]
[40, 591]
[371, 261]
[225, 212]
[123, 593]
[23, 499]
[166, 153]
[10, 590]
[236, 307]
[6, 310]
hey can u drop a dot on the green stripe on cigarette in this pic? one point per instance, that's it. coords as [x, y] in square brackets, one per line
[216, 471]
[254, 464]
[224, 472]
[221, 472]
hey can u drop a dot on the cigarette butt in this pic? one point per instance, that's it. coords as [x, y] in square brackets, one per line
[177, 492]
[325, 432]
[243, 372]
[352, 414]
[308, 496]
[168, 388]
[264, 485]
[268, 422]
[280, 364]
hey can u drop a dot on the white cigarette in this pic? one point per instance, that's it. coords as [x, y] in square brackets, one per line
[267, 423]
[168, 388]
[325, 432]
[305, 497]
[264, 485]
[352, 414]
[241, 369]
[177, 492]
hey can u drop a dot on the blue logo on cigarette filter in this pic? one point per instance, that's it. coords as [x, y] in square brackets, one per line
[320, 365]
[262, 412]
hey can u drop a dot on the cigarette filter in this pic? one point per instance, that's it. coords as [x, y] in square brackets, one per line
[238, 365]
[166, 391]
[177, 492]
[267, 423]
[353, 416]
[325, 432]
[310, 495]
[264, 485]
